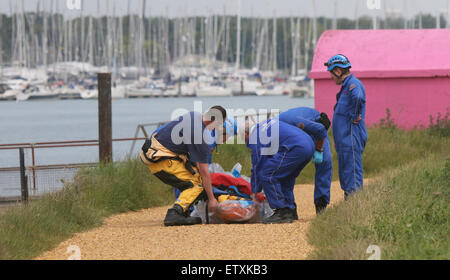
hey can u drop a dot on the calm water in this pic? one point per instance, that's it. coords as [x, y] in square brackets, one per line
[62, 120]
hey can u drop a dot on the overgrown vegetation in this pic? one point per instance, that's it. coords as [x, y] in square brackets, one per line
[96, 193]
[405, 212]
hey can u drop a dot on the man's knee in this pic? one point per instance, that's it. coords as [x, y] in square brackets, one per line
[173, 180]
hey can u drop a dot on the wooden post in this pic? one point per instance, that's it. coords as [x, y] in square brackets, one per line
[242, 86]
[23, 178]
[104, 117]
[179, 86]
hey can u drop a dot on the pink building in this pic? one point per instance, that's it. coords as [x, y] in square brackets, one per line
[407, 71]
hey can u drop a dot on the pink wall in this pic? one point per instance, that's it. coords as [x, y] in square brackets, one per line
[411, 100]
[407, 71]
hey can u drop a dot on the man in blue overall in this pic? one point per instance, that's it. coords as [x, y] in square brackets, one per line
[316, 125]
[279, 154]
[228, 130]
[349, 129]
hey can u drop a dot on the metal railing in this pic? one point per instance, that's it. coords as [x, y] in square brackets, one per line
[9, 176]
[34, 171]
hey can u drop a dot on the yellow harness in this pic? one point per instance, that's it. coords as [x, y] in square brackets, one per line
[153, 152]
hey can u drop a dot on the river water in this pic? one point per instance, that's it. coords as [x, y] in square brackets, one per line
[66, 120]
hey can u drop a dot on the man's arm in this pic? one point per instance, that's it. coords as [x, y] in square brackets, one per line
[317, 130]
[206, 179]
[313, 128]
[253, 180]
[319, 145]
[358, 100]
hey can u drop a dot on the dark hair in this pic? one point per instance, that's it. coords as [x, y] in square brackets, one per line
[324, 120]
[212, 113]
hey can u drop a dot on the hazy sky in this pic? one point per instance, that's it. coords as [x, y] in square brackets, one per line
[343, 8]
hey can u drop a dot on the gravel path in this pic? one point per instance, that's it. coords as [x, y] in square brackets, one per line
[141, 235]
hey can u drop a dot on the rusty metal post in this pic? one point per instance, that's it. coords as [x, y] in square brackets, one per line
[23, 178]
[104, 117]
[33, 167]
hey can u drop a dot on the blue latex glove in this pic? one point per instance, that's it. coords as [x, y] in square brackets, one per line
[318, 157]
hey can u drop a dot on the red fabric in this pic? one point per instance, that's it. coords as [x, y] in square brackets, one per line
[243, 186]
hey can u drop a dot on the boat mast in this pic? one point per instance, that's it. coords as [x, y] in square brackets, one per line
[285, 39]
[314, 26]
[238, 36]
[82, 50]
[91, 41]
[448, 14]
[405, 18]
[142, 40]
[274, 43]
[335, 16]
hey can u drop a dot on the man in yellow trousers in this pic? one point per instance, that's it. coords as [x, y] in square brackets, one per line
[177, 154]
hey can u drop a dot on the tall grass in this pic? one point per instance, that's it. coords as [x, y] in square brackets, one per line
[405, 213]
[26, 231]
[96, 193]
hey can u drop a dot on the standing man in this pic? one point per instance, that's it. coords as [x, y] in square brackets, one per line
[349, 129]
[178, 155]
[316, 125]
[279, 154]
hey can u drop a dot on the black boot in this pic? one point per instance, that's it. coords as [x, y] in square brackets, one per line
[293, 212]
[279, 216]
[321, 204]
[176, 217]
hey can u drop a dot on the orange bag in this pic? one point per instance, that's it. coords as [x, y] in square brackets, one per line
[236, 210]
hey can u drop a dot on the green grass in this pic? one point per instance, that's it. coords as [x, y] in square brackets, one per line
[96, 193]
[405, 213]
[405, 210]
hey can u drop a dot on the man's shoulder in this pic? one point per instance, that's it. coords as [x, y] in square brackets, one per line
[355, 84]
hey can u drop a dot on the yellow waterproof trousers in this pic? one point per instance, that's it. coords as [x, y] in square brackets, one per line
[175, 174]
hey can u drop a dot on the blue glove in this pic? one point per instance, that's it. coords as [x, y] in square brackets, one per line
[318, 157]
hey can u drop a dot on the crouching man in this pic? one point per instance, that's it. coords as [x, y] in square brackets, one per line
[315, 124]
[279, 154]
[178, 155]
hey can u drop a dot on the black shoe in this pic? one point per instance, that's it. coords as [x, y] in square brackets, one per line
[347, 195]
[293, 212]
[280, 216]
[176, 217]
[321, 204]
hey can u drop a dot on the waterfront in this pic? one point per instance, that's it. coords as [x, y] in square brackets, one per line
[65, 120]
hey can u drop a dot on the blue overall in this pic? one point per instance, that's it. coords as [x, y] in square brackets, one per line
[230, 128]
[350, 139]
[275, 169]
[324, 170]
